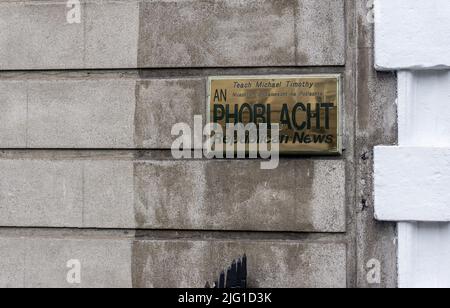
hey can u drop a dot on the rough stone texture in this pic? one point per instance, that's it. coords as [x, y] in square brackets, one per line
[41, 193]
[163, 103]
[237, 195]
[131, 34]
[13, 110]
[320, 32]
[217, 33]
[236, 33]
[112, 112]
[218, 195]
[283, 264]
[348, 134]
[36, 35]
[376, 124]
[108, 189]
[81, 114]
[41, 261]
[368, 104]
[12, 267]
[111, 34]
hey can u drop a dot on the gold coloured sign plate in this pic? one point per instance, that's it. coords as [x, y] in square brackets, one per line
[306, 107]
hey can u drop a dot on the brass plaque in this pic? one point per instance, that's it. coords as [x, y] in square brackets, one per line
[306, 108]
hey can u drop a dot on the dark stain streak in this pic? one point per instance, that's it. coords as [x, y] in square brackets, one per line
[296, 55]
[363, 96]
[364, 205]
[365, 156]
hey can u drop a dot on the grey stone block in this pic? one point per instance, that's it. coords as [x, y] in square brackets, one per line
[376, 110]
[112, 34]
[41, 261]
[217, 33]
[164, 33]
[12, 259]
[109, 194]
[13, 114]
[41, 193]
[36, 35]
[236, 33]
[301, 195]
[110, 112]
[320, 32]
[104, 263]
[95, 194]
[81, 114]
[270, 264]
[161, 103]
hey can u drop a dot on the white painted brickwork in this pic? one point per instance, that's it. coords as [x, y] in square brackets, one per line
[411, 180]
[412, 34]
[412, 183]
[424, 254]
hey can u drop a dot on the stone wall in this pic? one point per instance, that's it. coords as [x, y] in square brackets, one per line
[86, 169]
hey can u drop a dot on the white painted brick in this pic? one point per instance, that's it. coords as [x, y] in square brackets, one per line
[423, 254]
[412, 34]
[423, 113]
[411, 184]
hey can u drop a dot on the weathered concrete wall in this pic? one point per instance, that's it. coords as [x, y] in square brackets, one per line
[114, 111]
[38, 259]
[130, 34]
[375, 124]
[166, 194]
[90, 148]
